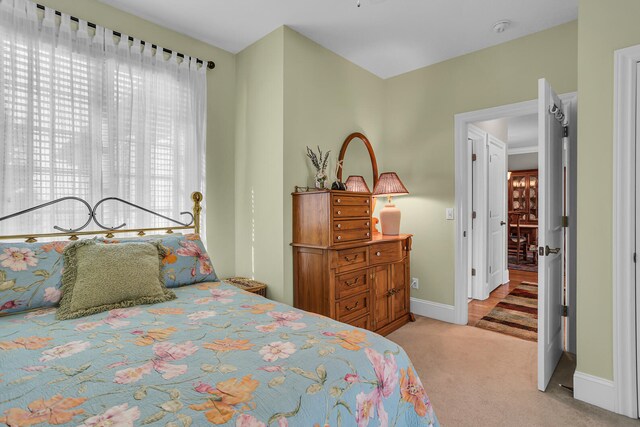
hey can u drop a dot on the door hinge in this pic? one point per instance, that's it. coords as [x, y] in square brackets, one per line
[635, 257]
[474, 215]
[565, 221]
[565, 131]
[474, 157]
[473, 271]
[565, 311]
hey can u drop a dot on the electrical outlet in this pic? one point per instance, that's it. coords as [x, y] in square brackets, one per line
[414, 283]
[449, 214]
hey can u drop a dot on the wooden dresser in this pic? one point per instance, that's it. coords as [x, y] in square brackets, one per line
[341, 269]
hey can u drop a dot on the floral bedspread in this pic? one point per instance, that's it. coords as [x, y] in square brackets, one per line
[214, 356]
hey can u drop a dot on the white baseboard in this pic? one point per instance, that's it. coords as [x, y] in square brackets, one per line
[594, 390]
[434, 310]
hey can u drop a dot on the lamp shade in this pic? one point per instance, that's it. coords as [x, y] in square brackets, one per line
[389, 185]
[358, 184]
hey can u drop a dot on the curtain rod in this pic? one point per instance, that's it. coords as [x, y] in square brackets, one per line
[210, 64]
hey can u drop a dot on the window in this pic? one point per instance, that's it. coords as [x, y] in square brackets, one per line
[93, 116]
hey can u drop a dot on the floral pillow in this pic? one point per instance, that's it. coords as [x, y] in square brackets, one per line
[30, 275]
[186, 261]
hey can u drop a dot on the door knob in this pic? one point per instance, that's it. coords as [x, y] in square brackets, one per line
[548, 250]
[503, 223]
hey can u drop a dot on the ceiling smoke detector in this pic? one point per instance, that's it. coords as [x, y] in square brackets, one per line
[501, 26]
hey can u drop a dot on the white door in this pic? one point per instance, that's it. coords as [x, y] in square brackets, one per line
[497, 215]
[550, 234]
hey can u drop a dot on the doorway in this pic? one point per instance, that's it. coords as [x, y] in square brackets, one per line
[556, 242]
[505, 184]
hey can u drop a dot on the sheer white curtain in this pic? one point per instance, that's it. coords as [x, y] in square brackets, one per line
[85, 114]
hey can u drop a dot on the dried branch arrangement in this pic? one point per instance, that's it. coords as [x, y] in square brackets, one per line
[319, 161]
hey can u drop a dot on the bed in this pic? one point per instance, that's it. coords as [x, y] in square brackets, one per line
[216, 355]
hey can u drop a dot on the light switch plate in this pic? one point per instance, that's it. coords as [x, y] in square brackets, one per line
[414, 283]
[449, 214]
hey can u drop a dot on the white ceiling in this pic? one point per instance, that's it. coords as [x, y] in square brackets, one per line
[523, 132]
[386, 37]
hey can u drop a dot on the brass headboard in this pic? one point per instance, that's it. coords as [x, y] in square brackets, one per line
[109, 232]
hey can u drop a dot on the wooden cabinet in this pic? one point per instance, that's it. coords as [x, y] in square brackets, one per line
[523, 195]
[341, 269]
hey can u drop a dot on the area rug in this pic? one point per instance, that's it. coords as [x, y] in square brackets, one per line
[523, 266]
[516, 314]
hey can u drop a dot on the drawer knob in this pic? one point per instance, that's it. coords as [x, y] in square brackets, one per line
[368, 234]
[339, 237]
[339, 212]
[352, 308]
[367, 211]
[367, 224]
[339, 225]
[339, 201]
[355, 257]
[367, 202]
[378, 253]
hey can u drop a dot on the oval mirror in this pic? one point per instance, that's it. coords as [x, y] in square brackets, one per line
[359, 160]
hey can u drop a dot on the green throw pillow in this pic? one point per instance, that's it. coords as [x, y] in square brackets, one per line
[100, 277]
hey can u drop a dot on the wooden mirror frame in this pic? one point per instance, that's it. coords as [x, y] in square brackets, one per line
[372, 155]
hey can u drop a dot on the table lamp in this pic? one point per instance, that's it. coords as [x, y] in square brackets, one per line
[390, 185]
[358, 184]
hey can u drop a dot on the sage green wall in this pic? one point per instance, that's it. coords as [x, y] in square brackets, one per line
[326, 98]
[419, 134]
[604, 28]
[220, 115]
[259, 162]
[521, 162]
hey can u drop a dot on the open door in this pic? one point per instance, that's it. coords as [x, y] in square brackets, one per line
[551, 122]
[497, 198]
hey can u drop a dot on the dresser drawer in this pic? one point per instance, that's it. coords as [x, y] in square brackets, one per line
[383, 253]
[351, 235]
[352, 224]
[361, 322]
[350, 284]
[351, 200]
[351, 259]
[340, 212]
[352, 308]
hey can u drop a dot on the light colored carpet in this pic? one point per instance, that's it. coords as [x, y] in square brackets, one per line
[480, 378]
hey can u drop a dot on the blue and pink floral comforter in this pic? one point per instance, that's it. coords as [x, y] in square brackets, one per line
[214, 356]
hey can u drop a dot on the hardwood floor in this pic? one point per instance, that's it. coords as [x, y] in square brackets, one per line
[479, 309]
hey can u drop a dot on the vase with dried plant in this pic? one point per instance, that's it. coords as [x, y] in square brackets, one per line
[320, 162]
